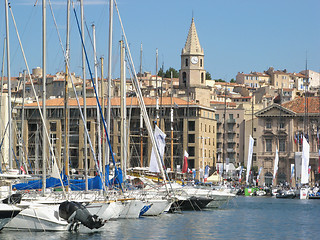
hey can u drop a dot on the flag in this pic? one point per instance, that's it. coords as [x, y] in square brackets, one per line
[319, 162]
[295, 138]
[22, 169]
[305, 162]
[206, 173]
[161, 143]
[250, 151]
[240, 172]
[292, 171]
[185, 162]
[260, 169]
[276, 162]
[301, 138]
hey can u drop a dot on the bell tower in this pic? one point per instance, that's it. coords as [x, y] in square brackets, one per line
[192, 73]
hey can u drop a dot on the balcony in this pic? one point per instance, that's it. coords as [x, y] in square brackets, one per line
[219, 150]
[231, 140]
[231, 121]
[230, 150]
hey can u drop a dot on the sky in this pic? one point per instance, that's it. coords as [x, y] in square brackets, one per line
[236, 35]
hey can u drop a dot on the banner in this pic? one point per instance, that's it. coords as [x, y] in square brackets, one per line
[305, 162]
[250, 151]
[276, 163]
[185, 162]
[161, 143]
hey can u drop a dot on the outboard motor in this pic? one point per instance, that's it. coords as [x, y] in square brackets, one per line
[75, 212]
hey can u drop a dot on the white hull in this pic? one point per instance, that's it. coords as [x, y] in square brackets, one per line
[106, 211]
[158, 206]
[7, 213]
[38, 218]
[132, 209]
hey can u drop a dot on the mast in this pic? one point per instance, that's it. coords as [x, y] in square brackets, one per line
[157, 95]
[171, 121]
[66, 96]
[44, 76]
[97, 87]
[103, 105]
[84, 98]
[22, 122]
[224, 128]
[9, 86]
[109, 77]
[2, 70]
[123, 110]
[141, 117]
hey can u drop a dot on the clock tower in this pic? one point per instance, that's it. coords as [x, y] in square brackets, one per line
[192, 73]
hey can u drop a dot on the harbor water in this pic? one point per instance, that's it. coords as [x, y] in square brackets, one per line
[242, 218]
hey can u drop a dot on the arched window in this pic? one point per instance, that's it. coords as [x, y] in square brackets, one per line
[200, 62]
[187, 62]
[184, 78]
[202, 78]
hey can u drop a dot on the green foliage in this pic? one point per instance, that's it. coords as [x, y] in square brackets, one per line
[208, 76]
[219, 80]
[232, 80]
[161, 72]
[175, 73]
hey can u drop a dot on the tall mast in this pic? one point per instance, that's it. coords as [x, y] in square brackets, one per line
[85, 152]
[2, 70]
[141, 117]
[22, 121]
[97, 87]
[66, 96]
[109, 76]
[224, 128]
[44, 79]
[171, 121]
[9, 85]
[102, 106]
[157, 95]
[123, 110]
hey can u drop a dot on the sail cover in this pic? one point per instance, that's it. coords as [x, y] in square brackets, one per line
[161, 143]
[305, 162]
[250, 151]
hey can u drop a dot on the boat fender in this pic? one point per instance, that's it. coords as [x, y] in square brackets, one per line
[76, 212]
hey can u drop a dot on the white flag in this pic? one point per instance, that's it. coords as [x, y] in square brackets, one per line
[161, 143]
[276, 163]
[250, 151]
[305, 162]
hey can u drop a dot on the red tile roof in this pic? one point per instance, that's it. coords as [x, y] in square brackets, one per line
[114, 102]
[298, 105]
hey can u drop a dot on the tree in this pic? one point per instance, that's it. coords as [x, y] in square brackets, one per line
[208, 76]
[219, 80]
[175, 73]
[161, 72]
[232, 80]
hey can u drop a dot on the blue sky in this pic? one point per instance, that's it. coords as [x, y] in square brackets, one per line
[236, 35]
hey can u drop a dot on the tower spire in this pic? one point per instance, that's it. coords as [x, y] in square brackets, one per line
[192, 45]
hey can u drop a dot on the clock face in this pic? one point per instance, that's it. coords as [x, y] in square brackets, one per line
[194, 60]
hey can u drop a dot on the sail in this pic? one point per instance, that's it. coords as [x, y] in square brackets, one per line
[276, 163]
[161, 143]
[305, 162]
[250, 151]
